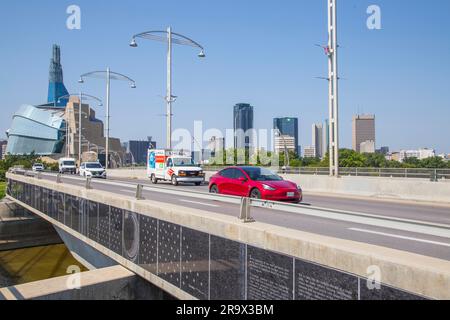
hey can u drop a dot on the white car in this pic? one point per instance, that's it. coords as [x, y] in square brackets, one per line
[93, 170]
[38, 167]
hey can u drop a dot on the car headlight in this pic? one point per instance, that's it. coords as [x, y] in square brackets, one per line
[299, 188]
[269, 188]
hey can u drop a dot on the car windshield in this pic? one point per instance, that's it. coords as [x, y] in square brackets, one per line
[69, 163]
[261, 174]
[183, 162]
[94, 166]
[38, 165]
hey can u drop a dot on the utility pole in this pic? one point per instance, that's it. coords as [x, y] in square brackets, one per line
[333, 88]
[169, 96]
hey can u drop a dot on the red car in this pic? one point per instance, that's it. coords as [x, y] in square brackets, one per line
[254, 182]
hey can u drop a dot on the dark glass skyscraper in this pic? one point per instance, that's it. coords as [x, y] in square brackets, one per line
[243, 125]
[288, 127]
[56, 87]
[139, 150]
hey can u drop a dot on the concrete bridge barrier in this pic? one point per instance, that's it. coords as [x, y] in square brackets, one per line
[196, 254]
[375, 187]
[381, 188]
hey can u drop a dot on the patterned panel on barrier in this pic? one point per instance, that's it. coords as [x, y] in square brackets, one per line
[37, 198]
[27, 194]
[314, 282]
[115, 239]
[227, 277]
[148, 243]
[32, 196]
[76, 216]
[9, 187]
[92, 212]
[68, 210]
[61, 207]
[54, 205]
[83, 216]
[169, 252]
[103, 225]
[131, 236]
[50, 203]
[195, 263]
[269, 275]
[372, 291]
[43, 205]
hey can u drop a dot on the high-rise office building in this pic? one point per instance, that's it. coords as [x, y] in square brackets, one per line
[367, 146]
[139, 149]
[363, 130]
[310, 152]
[216, 145]
[326, 137]
[383, 150]
[288, 127]
[283, 143]
[3, 144]
[318, 140]
[243, 126]
[56, 87]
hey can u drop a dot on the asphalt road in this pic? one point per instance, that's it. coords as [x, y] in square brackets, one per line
[412, 241]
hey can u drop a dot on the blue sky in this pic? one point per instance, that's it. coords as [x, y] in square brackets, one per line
[260, 52]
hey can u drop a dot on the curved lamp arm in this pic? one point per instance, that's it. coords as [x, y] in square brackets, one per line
[103, 74]
[178, 39]
[84, 96]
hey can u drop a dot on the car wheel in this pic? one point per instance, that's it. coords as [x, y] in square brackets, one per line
[255, 194]
[174, 180]
[153, 179]
[198, 184]
[214, 189]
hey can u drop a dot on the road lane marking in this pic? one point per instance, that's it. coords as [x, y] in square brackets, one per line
[401, 237]
[181, 200]
[128, 191]
[200, 203]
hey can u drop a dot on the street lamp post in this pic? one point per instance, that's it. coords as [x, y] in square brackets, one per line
[333, 88]
[170, 38]
[82, 97]
[108, 75]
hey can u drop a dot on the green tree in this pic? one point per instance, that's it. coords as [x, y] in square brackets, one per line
[375, 160]
[351, 159]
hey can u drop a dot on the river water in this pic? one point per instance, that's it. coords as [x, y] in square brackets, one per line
[35, 264]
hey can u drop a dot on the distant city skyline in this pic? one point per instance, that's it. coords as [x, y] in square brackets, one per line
[243, 63]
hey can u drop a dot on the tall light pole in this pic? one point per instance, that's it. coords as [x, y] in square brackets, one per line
[332, 52]
[82, 96]
[108, 75]
[170, 38]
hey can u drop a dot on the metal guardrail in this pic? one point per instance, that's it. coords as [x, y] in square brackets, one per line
[424, 227]
[419, 173]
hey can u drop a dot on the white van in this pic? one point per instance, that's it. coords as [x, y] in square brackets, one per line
[67, 165]
[174, 166]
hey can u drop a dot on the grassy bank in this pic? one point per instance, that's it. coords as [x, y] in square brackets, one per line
[2, 189]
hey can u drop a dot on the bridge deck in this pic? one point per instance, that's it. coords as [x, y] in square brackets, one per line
[416, 242]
